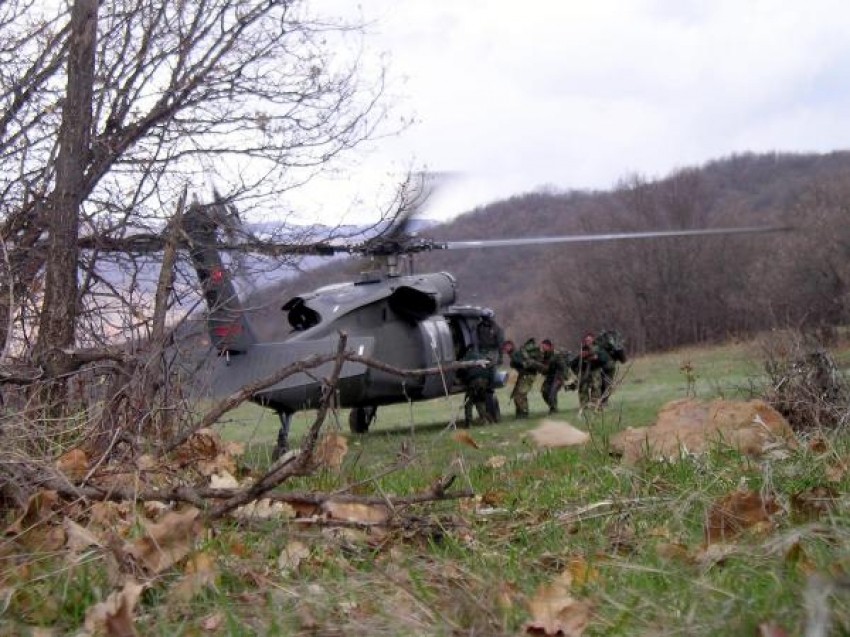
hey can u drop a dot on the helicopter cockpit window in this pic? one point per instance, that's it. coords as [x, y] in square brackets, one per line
[300, 316]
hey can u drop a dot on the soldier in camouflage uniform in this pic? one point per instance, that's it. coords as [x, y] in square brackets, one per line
[556, 373]
[612, 345]
[588, 367]
[479, 381]
[490, 338]
[527, 361]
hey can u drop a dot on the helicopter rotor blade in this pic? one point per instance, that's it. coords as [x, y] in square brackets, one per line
[615, 236]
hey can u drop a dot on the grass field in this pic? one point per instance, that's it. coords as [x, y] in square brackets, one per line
[644, 550]
[630, 538]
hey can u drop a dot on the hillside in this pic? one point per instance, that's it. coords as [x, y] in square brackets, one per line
[664, 292]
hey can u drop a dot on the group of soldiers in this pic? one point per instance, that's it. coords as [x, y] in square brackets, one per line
[591, 372]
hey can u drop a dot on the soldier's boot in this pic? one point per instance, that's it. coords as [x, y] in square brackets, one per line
[483, 416]
[521, 407]
[467, 416]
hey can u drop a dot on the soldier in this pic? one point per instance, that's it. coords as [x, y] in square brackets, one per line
[613, 345]
[556, 373]
[527, 361]
[490, 339]
[588, 366]
[478, 381]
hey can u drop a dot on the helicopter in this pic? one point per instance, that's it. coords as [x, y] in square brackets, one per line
[405, 320]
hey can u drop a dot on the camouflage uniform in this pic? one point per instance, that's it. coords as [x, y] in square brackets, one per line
[527, 360]
[611, 343]
[588, 368]
[490, 339]
[557, 373]
[478, 381]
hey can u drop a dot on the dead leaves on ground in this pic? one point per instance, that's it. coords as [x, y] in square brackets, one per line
[737, 512]
[114, 615]
[464, 438]
[166, 542]
[555, 611]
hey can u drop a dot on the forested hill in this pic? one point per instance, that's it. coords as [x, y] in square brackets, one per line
[661, 292]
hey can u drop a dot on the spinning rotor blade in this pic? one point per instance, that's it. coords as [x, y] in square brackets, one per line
[589, 238]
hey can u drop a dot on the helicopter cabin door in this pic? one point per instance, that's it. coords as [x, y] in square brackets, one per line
[438, 350]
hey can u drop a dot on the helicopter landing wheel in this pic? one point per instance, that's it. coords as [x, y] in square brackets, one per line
[360, 418]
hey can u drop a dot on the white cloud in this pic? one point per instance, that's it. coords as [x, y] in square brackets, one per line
[577, 94]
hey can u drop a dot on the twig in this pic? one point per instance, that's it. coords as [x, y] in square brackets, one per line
[608, 507]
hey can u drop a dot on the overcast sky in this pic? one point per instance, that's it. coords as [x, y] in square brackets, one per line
[518, 96]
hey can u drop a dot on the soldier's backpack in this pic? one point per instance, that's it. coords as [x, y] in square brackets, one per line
[613, 343]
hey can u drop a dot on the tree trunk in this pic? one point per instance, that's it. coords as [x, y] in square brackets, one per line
[59, 310]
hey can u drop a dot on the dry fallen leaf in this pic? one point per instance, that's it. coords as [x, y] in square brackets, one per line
[331, 450]
[292, 555]
[674, 551]
[74, 464]
[555, 612]
[553, 434]
[200, 573]
[206, 452]
[109, 514]
[496, 462]
[78, 537]
[39, 509]
[265, 509]
[464, 438]
[167, 541]
[581, 572]
[814, 503]
[356, 512]
[736, 512]
[114, 615]
[771, 629]
[155, 510]
[223, 480]
[715, 554]
[818, 444]
[836, 472]
[146, 462]
[507, 595]
[213, 622]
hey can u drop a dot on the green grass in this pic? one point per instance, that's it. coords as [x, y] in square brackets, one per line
[469, 568]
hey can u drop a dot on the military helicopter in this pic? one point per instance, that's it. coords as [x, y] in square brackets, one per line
[406, 320]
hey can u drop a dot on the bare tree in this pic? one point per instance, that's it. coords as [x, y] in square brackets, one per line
[58, 316]
[252, 95]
